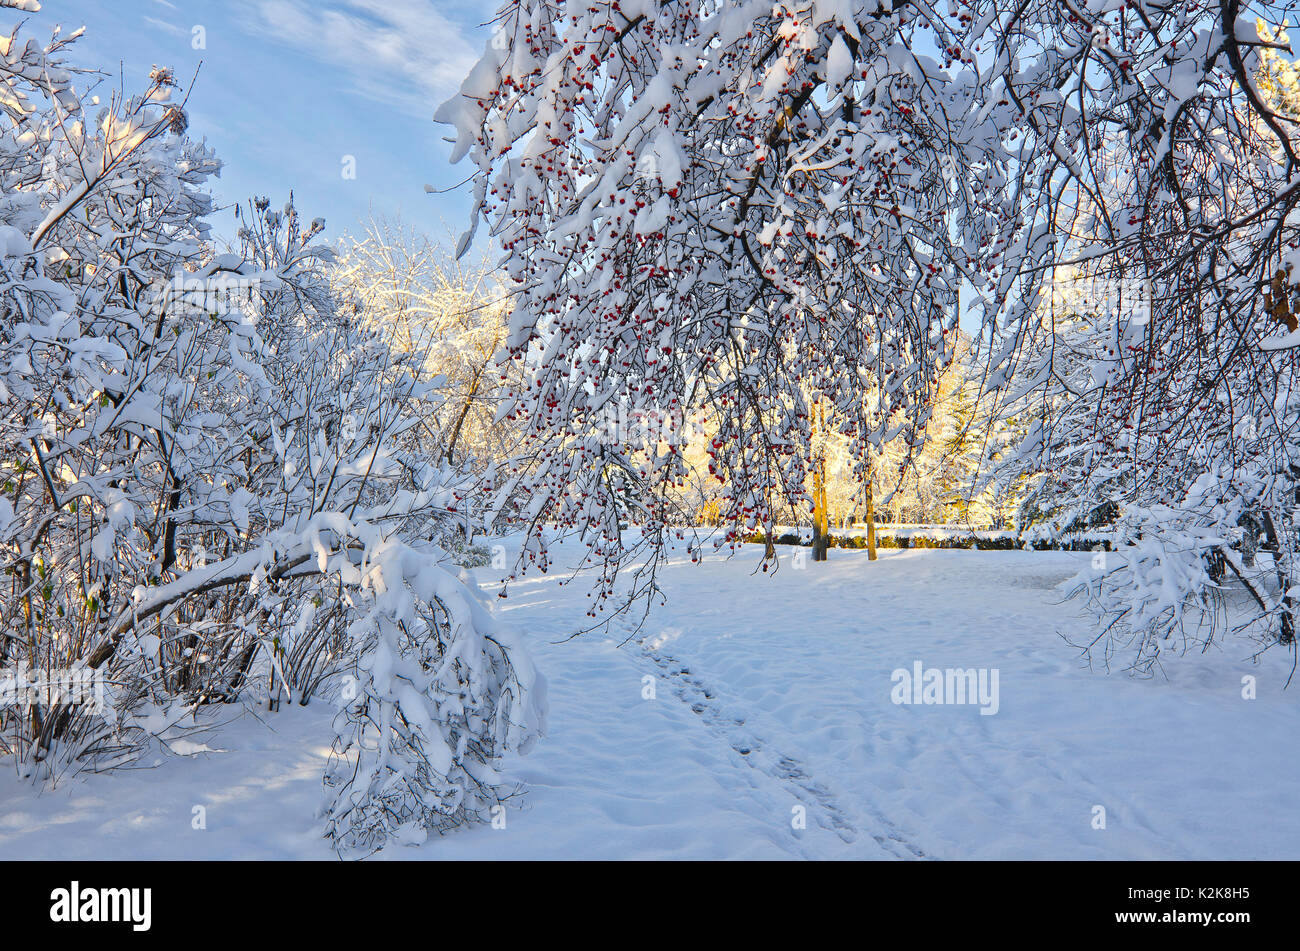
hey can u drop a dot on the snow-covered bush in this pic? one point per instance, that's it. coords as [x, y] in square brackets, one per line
[210, 477]
[1176, 432]
[440, 698]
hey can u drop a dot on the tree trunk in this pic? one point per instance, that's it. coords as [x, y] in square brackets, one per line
[821, 531]
[871, 517]
[469, 400]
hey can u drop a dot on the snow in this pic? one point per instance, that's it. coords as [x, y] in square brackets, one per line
[839, 63]
[1284, 342]
[773, 693]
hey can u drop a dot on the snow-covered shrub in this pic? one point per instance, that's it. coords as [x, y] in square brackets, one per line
[468, 554]
[1154, 593]
[97, 210]
[1175, 449]
[210, 475]
[441, 696]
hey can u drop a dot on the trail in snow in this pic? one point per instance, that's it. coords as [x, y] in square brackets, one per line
[825, 805]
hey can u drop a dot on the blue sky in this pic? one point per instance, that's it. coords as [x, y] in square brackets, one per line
[288, 88]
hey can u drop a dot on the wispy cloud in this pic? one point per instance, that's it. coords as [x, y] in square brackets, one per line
[166, 27]
[402, 53]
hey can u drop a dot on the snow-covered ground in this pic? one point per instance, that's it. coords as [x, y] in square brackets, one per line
[772, 697]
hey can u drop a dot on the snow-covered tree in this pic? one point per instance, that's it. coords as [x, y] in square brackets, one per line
[1276, 75]
[731, 205]
[210, 479]
[719, 209]
[452, 314]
